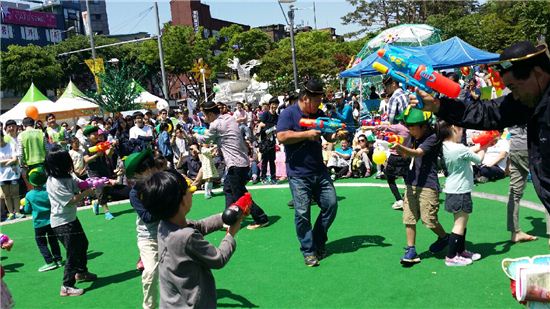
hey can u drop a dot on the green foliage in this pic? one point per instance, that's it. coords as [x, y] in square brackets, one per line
[118, 89]
[497, 24]
[317, 54]
[182, 46]
[373, 14]
[22, 65]
[73, 65]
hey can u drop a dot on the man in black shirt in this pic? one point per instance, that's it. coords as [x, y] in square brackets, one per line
[268, 121]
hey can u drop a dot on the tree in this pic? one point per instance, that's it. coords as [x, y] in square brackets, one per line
[376, 14]
[73, 65]
[317, 54]
[497, 24]
[22, 65]
[118, 89]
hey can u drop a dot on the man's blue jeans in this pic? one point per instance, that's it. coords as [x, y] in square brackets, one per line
[321, 189]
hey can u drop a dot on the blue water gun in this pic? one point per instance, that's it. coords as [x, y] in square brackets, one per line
[200, 130]
[420, 76]
[323, 124]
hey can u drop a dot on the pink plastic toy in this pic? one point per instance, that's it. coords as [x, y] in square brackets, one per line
[6, 242]
[93, 182]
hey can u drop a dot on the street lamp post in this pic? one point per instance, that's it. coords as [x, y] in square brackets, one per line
[290, 22]
[293, 46]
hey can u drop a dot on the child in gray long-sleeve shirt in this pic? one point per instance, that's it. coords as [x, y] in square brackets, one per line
[185, 257]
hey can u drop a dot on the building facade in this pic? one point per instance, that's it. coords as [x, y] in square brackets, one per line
[196, 14]
[49, 23]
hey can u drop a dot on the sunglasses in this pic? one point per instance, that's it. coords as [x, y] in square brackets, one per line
[362, 140]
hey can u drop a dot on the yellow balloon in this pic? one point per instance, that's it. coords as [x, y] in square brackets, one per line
[379, 156]
[22, 202]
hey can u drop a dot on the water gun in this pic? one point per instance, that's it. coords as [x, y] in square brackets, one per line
[485, 137]
[242, 206]
[93, 182]
[270, 130]
[393, 138]
[323, 124]
[416, 75]
[6, 242]
[100, 147]
[373, 123]
[200, 130]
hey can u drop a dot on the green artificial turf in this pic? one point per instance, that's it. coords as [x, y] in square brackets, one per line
[267, 270]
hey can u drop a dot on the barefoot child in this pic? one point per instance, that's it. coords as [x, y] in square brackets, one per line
[185, 257]
[62, 188]
[458, 188]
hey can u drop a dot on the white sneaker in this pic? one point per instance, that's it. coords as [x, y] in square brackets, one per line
[470, 255]
[397, 205]
[457, 261]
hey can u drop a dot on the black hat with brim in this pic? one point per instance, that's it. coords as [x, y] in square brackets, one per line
[209, 105]
[519, 52]
[314, 86]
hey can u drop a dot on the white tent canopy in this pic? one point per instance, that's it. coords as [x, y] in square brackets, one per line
[33, 97]
[73, 103]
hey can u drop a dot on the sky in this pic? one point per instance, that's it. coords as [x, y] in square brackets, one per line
[127, 16]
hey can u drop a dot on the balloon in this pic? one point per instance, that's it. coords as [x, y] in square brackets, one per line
[379, 156]
[465, 71]
[22, 202]
[32, 111]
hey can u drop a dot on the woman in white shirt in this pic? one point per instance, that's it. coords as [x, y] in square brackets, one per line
[9, 176]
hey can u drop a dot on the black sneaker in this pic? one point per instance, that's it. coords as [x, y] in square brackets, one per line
[290, 204]
[439, 244]
[311, 261]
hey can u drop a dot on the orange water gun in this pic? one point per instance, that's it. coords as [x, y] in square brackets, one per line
[485, 137]
[393, 138]
[100, 147]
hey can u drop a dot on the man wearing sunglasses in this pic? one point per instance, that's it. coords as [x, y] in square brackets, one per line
[525, 70]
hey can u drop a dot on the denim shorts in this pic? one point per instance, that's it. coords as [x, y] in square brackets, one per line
[458, 202]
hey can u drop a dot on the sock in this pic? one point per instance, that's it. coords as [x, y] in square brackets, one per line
[454, 243]
[206, 188]
[462, 243]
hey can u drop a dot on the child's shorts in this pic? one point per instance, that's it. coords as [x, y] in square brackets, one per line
[455, 203]
[421, 203]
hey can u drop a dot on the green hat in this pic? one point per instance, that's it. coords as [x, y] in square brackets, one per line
[133, 161]
[413, 115]
[37, 177]
[371, 138]
[89, 130]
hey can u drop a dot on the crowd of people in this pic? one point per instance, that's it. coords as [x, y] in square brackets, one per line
[158, 161]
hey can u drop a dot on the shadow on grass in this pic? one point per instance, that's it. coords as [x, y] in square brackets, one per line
[485, 249]
[248, 220]
[123, 212]
[12, 268]
[539, 226]
[113, 279]
[243, 302]
[93, 254]
[354, 243]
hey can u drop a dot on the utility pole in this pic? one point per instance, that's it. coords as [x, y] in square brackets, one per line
[314, 16]
[91, 32]
[292, 45]
[161, 55]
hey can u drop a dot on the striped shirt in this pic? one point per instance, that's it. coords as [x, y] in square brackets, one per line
[397, 104]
